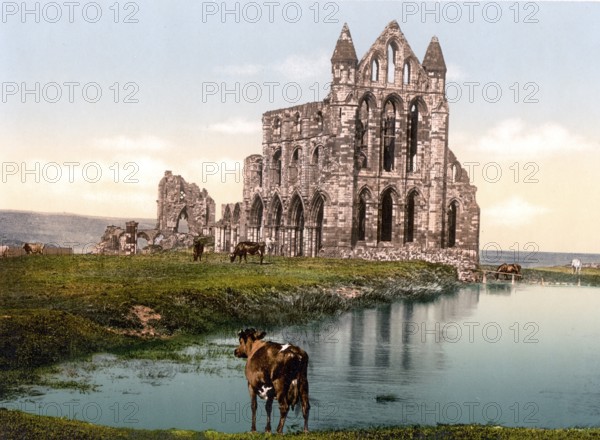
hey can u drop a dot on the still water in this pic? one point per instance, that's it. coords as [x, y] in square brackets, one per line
[519, 355]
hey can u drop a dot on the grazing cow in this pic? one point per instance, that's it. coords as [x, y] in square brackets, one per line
[34, 248]
[508, 270]
[198, 250]
[576, 265]
[274, 371]
[248, 247]
[4, 251]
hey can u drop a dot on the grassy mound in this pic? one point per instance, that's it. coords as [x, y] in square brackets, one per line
[17, 425]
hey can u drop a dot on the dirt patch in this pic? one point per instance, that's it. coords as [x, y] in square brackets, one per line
[147, 317]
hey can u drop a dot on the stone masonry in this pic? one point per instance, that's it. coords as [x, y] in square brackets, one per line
[177, 200]
[367, 170]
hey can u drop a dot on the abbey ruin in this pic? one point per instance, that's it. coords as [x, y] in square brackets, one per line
[367, 172]
[178, 202]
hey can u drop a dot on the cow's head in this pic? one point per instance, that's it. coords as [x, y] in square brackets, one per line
[247, 338]
[232, 257]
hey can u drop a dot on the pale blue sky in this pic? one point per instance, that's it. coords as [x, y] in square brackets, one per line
[173, 51]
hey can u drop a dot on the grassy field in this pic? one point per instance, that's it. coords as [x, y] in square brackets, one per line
[54, 308]
[18, 425]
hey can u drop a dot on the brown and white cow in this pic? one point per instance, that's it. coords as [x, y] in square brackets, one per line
[248, 247]
[4, 251]
[34, 248]
[274, 371]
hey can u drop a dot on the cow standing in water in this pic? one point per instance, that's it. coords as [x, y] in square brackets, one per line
[248, 247]
[576, 266]
[274, 371]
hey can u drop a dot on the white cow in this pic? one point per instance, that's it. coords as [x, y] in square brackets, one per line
[4, 251]
[576, 265]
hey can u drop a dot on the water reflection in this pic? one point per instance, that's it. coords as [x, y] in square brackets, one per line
[514, 355]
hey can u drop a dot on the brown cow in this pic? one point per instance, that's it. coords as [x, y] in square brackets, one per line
[198, 250]
[508, 270]
[274, 371]
[248, 247]
[34, 248]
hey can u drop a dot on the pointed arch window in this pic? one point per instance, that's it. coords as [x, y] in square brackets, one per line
[389, 136]
[277, 168]
[295, 164]
[413, 130]
[297, 123]
[452, 214]
[406, 73]
[256, 219]
[387, 216]
[391, 64]
[277, 225]
[374, 70]
[277, 127]
[362, 133]
[362, 217]
[320, 120]
[411, 203]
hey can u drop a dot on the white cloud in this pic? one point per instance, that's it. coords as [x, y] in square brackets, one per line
[455, 72]
[302, 67]
[240, 69]
[293, 67]
[512, 137]
[129, 144]
[235, 126]
[515, 212]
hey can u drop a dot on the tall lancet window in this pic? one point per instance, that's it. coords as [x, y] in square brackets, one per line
[389, 136]
[413, 130]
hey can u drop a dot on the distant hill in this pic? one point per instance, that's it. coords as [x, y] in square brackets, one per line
[68, 230]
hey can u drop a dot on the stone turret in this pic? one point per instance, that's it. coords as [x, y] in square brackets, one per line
[435, 65]
[344, 60]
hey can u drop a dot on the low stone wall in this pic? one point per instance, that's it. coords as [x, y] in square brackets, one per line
[465, 261]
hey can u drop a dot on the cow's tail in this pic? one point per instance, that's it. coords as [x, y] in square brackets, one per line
[293, 395]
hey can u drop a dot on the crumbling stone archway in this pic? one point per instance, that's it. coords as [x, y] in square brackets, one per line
[296, 230]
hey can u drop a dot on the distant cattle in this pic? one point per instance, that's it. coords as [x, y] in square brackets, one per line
[576, 265]
[274, 371]
[198, 250]
[34, 248]
[248, 247]
[508, 270]
[4, 251]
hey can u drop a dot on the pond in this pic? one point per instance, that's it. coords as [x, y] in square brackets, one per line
[520, 355]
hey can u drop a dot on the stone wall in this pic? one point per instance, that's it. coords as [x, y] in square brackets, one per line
[369, 166]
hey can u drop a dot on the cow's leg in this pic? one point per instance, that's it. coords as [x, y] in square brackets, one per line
[253, 406]
[245, 258]
[268, 408]
[283, 411]
[303, 385]
[261, 257]
[284, 406]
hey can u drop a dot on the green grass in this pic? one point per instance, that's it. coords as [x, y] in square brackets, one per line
[558, 275]
[56, 308]
[19, 425]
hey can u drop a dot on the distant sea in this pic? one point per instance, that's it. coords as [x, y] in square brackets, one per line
[536, 259]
